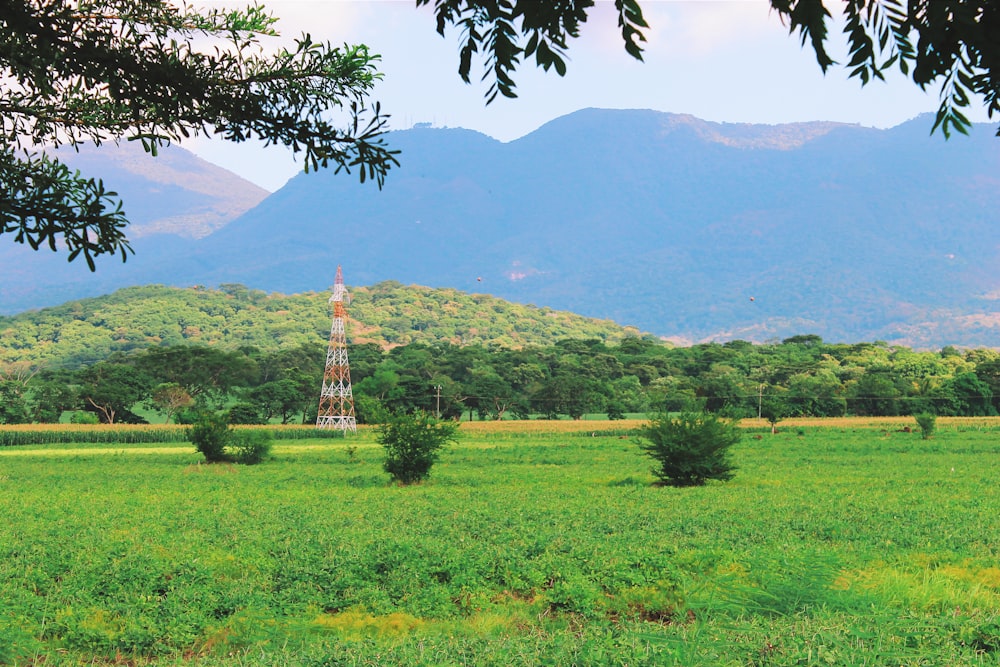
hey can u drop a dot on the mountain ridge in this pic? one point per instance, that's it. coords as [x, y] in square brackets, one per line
[201, 196]
[848, 232]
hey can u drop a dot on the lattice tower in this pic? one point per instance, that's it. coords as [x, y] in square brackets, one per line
[336, 402]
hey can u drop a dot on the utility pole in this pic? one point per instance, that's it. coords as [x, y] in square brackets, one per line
[438, 411]
[336, 401]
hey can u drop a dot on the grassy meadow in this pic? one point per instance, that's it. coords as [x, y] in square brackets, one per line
[839, 542]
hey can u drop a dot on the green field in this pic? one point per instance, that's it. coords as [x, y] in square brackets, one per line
[842, 544]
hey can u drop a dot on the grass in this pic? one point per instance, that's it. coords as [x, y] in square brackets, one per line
[852, 544]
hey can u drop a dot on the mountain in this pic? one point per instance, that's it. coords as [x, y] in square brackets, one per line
[679, 226]
[387, 314]
[170, 199]
[174, 193]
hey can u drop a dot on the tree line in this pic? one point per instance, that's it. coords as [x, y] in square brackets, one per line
[799, 376]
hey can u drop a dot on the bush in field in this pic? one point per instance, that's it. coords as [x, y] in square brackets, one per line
[218, 442]
[250, 447]
[927, 423]
[210, 434]
[411, 443]
[689, 449]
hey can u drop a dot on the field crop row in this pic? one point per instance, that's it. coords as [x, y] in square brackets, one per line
[131, 434]
[128, 434]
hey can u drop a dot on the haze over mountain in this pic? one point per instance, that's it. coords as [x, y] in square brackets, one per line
[174, 193]
[169, 200]
[678, 226]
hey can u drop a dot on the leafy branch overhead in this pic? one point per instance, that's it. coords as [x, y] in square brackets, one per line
[156, 72]
[504, 31]
[115, 69]
[951, 43]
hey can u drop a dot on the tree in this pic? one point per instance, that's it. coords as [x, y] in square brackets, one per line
[626, 395]
[204, 372]
[988, 370]
[110, 389]
[156, 72]
[280, 398]
[51, 395]
[569, 394]
[382, 385]
[948, 41]
[673, 394]
[690, 449]
[774, 408]
[974, 397]
[816, 395]
[721, 390]
[491, 395]
[412, 442]
[13, 405]
[874, 395]
[14, 379]
[169, 397]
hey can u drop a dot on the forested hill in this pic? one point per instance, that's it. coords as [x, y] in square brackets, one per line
[388, 313]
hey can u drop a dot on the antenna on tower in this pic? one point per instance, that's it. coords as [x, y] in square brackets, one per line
[336, 402]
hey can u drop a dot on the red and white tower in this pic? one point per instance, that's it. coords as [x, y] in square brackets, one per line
[336, 402]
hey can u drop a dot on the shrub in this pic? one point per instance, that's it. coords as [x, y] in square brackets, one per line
[210, 434]
[187, 416]
[411, 443]
[689, 449]
[616, 410]
[245, 413]
[250, 447]
[927, 422]
[84, 417]
[368, 410]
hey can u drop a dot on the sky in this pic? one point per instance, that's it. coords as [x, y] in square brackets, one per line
[720, 60]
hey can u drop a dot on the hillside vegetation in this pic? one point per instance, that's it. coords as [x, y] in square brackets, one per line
[388, 314]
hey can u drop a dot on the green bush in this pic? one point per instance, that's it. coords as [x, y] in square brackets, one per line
[84, 417]
[411, 443]
[210, 434]
[927, 423]
[187, 416]
[250, 447]
[689, 449]
[245, 413]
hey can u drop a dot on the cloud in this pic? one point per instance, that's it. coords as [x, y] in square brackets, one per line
[699, 27]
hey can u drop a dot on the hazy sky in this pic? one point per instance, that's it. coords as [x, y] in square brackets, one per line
[720, 60]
